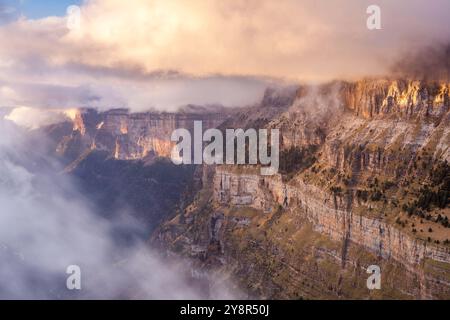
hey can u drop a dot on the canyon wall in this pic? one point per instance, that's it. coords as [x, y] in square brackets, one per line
[328, 213]
[393, 132]
[130, 136]
[332, 216]
[364, 134]
[370, 98]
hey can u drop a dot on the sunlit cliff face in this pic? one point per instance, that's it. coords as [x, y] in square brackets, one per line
[71, 113]
[381, 96]
[123, 127]
[411, 92]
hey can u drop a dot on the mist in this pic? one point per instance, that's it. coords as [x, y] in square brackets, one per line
[47, 225]
[429, 63]
[319, 103]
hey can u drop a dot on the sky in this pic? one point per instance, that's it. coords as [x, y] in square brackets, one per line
[36, 9]
[143, 54]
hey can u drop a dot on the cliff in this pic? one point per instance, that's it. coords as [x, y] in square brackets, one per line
[364, 179]
[129, 136]
[329, 215]
[407, 98]
[359, 161]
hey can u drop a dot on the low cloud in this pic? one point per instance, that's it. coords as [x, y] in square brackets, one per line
[33, 118]
[162, 54]
[429, 63]
[47, 225]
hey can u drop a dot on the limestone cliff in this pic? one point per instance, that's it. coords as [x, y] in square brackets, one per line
[329, 215]
[370, 98]
[360, 163]
[129, 136]
[364, 179]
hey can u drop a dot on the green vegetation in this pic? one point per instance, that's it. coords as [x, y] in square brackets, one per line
[434, 195]
[151, 192]
[362, 194]
[297, 159]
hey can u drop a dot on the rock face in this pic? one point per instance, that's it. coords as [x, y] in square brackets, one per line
[329, 215]
[364, 180]
[312, 232]
[407, 98]
[130, 136]
[121, 160]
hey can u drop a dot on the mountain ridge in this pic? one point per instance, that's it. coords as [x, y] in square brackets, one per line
[364, 180]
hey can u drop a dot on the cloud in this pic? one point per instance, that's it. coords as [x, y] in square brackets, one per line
[432, 63]
[33, 118]
[46, 225]
[297, 39]
[130, 54]
[7, 12]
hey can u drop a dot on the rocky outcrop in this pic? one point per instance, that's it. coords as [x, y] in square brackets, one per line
[370, 98]
[388, 131]
[330, 215]
[258, 227]
[130, 136]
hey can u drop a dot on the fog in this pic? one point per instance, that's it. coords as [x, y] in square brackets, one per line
[46, 225]
[428, 63]
[319, 103]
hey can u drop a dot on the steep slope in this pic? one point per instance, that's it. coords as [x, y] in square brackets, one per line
[364, 180]
[120, 159]
[127, 136]
[148, 192]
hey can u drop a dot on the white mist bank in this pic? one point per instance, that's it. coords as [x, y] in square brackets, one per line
[47, 225]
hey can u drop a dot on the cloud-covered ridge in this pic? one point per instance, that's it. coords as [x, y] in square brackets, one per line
[163, 53]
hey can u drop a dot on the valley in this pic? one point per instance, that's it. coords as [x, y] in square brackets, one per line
[364, 180]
